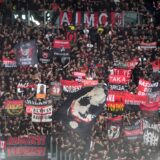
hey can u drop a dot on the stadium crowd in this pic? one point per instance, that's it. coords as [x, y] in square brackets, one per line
[108, 47]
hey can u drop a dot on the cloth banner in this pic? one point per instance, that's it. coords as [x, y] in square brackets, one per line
[122, 72]
[118, 87]
[133, 132]
[71, 86]
[9, 59]
[87, 83]
[151, 136]
[151, 45]
[42, 114]
[118, 79]
[115, 106]
[149, 109]
[117, 19]
[61, 48]
[80, 110]
[55, 89]
[156, 65]
[143, 86]
[14, 107]
[41, 91]
[31, 146]
[79, 75]
[26, 53]
[30, 104]
[114, 128]
[44, 57]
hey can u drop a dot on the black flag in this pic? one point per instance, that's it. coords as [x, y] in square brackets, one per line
[79, 111]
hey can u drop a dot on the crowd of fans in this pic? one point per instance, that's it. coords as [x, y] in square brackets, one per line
[113, 45]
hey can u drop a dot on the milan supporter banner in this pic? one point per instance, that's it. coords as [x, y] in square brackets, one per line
[71, 86]
[117, 19]
[134, 132]
[44, 57]
[80, 110]
[41, 91]
[151, 45]
[131, 64]
[31, 147]
[114, 126]
[156, 65]
[154, 87]
[115, 106]
[22, 86]
[143, 86]
[123, 72]
[71, 36]
[151, 136]
[118, 87]
[79, 75]
[118, 79]
[61, 48]
[149, 109]
[9, 59]
[87, 18]
[26, 53]
[14, 107]
[30, 104]
[42, 114]
[55, 89]
[87, 83]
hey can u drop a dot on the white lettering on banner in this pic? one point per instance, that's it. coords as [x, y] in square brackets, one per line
[143, 83]
[103, 15]
[65, 19]
[140, 93]
[118, 79]
[123, 72]
[111, 98]
[89, 19]
[71, 89]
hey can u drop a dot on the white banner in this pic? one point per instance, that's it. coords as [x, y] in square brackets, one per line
[42, 114]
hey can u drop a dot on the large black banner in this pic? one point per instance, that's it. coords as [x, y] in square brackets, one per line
[26, 53]
[80, 110]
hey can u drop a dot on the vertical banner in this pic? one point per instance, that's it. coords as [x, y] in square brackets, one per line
[26, 53]
[55, 89]
[41, 91]
[117, 19]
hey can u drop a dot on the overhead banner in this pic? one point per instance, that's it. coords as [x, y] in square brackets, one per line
[31, 147]
[117, 19]
[41, 91]
[79, 75]
[14, 107]
[87, 83]
[26, 53]
[61, 48]
[42, 114]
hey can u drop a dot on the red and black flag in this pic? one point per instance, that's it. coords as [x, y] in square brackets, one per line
[44, 56]
[79, 111]
[61, 48]
[114, 127]
[26, 53]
